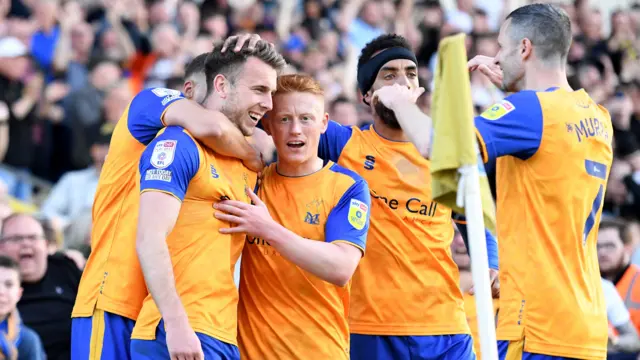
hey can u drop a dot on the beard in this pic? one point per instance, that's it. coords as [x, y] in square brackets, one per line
[237, 116]
[387, 116]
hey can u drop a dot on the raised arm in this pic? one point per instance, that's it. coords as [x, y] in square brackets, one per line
[166, 168]
[333, 260]
[414, 123]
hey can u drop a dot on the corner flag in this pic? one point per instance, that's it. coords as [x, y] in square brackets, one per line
[457, 179]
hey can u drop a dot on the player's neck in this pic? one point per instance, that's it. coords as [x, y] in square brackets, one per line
[466, 280]
[296, 169]
[388, 133]
[542, 78]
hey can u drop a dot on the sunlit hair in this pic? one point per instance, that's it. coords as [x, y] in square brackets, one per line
[298, 83]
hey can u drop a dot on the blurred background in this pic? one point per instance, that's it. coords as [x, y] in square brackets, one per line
[69, 68]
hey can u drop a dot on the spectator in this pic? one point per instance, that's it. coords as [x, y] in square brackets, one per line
[614, 256]
[84, 110]
[16, 340]
[623, 337]
[21, 90]
[622, 197]
[50, 283]
[344, 112]
[73, 195]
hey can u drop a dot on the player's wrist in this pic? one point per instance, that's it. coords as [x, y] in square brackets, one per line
[176, 319]
[275, 233]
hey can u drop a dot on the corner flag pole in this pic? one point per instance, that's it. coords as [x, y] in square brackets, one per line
[469, 199]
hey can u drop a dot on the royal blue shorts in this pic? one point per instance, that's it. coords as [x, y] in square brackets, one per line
[103, 336]
[514, 350]
[440, 347]
[213, 349]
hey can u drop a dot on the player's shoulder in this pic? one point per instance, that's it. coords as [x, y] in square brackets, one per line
[341, 174]
[176, 133]
[525, 102]
[163, 95]
[173, 140]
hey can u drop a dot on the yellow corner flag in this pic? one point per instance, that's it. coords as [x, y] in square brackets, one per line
[454, 140]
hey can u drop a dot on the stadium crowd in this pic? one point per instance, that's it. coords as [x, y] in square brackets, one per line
[69, 68]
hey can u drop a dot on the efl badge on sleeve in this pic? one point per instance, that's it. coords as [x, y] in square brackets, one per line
[163, 153]
[162, 92]
[358, 214]
[498, 110]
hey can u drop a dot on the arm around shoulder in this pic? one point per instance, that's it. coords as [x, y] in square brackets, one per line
[214, 129]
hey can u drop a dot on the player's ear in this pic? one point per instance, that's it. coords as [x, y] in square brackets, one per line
[527, 48]
[188, 89]
[20, 291]
[221, 85]
[367, 96]
[325, 122]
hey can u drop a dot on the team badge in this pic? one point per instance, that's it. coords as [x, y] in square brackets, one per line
[498, 110]
[163, 153]
[358, 214]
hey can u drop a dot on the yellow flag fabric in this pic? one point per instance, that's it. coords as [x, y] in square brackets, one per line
[454, 141]
[18, 206]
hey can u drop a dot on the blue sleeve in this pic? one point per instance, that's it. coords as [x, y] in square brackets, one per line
[169, 163]
[144, 119]
[30, 346]
[333, 141]
[492, 243]
[349, 219]
[511, 127]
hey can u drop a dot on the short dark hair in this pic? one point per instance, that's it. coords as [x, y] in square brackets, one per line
[547, 26]
[339, 100]
[8, 263]
[615, 224]
[229, 63]
[380, 43]
[196, 65]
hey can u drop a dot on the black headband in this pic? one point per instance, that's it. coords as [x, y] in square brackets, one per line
[368, 72]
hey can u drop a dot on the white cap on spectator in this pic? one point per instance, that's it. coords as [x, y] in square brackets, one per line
[11, 47]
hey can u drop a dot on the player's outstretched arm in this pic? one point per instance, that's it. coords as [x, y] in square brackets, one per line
[214, 130]
[415, 124]
[166, 168]
[333, 260]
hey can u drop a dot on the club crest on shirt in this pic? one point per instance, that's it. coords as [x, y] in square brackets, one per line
[498, 110]
[313, 212]
[357, 214]
[163, 153]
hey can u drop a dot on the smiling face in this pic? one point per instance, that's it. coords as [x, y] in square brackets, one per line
[248, 98]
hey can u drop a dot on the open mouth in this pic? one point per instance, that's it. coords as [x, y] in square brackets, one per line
[255, 116]
[26, 256]
[295, 144]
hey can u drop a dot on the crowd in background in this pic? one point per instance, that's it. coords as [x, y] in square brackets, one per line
[69, 68]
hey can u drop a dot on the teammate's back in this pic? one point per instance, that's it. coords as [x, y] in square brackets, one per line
[550, 188]
[112, 279]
